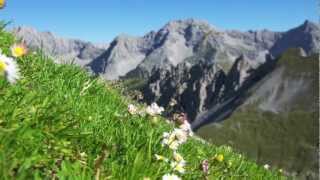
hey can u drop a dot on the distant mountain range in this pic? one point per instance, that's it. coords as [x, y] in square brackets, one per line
[62, 50]
[186, 60]
[177, 42]
[194, 41]
[217, 76]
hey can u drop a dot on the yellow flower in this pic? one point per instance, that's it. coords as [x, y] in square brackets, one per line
[18, 50]
[3, 67]
[154, 120]
[219, 157]
[174, 145]
[178, 166]
[2, 3]
[177, 157]
[160, 158]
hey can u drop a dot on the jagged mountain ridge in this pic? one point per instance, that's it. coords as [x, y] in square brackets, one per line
[62, 50]
[305, 36]
[204, 90]
[242, 73]
[179, 41]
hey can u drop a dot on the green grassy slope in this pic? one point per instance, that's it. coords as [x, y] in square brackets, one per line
[287, 140]
[51, 127]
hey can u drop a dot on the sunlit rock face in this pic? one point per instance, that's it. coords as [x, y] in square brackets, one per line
[181, 41]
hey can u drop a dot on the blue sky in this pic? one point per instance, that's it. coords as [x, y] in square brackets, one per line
[102, 20]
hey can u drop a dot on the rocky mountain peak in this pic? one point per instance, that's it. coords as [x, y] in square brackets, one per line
[61, 49]
[184, 24]
[305, 36]
[178, 41]
[310, 26]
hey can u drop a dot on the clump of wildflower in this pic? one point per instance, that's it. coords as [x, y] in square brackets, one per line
[266, 166]
[170, 177]
[186, 127]
[179, 163]
[132, 109]
[18, 50]
[83, 155]
[178, 166]
[154, 109]
[177, 157]
[205, 166]
[9, 68]
[174, 139]
[170, 140]
[172, 102]
[161, 158]
[219, 157]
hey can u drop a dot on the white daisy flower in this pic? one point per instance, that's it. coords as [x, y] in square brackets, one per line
[161, 158]
[186, 127]
[170, 177]
[180, 135]
[174, 145]
[174, 139]
[266, 166]
[9, 68]
[132, 109]
[154, 109]
[177, 157]
[169, 139]
[178, 166]
[172, 102]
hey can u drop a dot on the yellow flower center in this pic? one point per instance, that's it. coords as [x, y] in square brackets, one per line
[179, 168]
[2, 3]
[3, 67]
[177, 157]
[220, 158]
[18, 51]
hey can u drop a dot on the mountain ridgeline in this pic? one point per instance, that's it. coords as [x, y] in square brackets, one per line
[186, 60]
[62, 50]
[244, 89]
